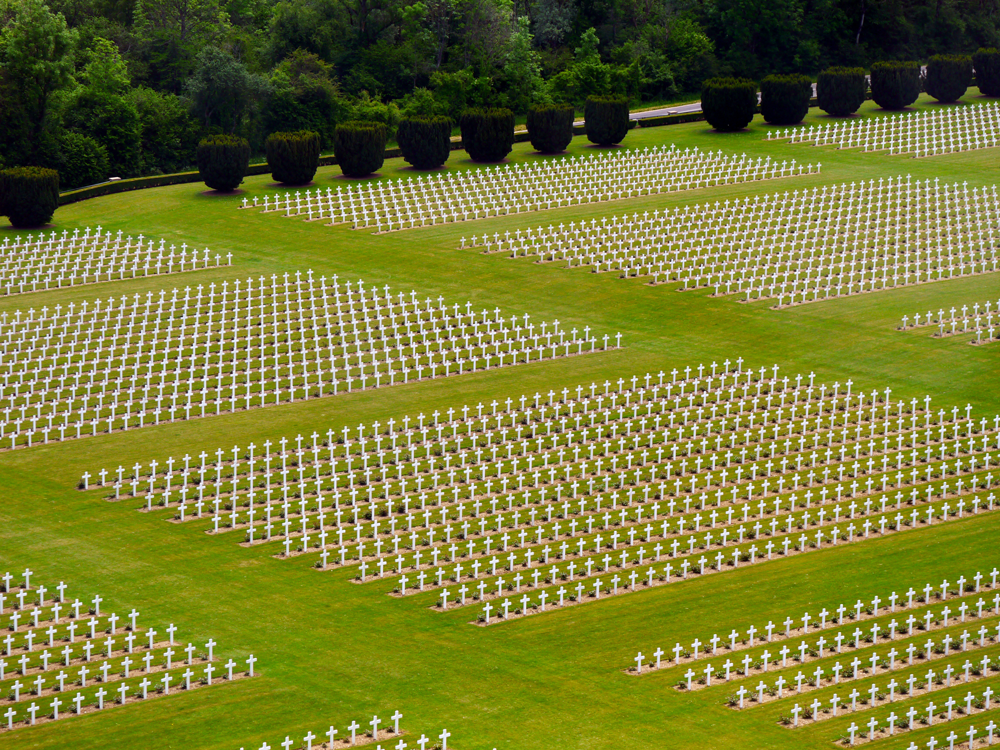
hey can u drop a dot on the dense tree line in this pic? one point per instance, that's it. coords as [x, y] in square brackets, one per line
[128, 87]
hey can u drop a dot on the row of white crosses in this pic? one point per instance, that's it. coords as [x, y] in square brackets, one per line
[713, 466]
[135, 360]
[61, 658]
[817, 622]
[953, 627]
[38, 262]
[392, 205]
[927, 133]
[824, 242]
[912, 716]
[977, 318]
[968, 739]
[353, 737]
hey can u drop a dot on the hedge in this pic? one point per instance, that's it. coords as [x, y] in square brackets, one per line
[986, 61]
[360, 147]
[550, 127]
[729, 103]
[895, 84]
[29, 196]
[487, 134]
[293, 157]
[425, 140]
[948, 77]
[606, 119]
[784, 99]
[841, 91]
[223, 161]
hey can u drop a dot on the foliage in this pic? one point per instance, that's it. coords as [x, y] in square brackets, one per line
[111, 120]
[223, 161]
[550, 127]
[986, 61]
[895, 84]
[841, 91]
[606, 119]
[223, 91]
[487, 134]
[170, 133]
[293, 157]
[29, 196]
[82, 160]
[784, 99]
[461, 91]
[425, 140]
[305, 95]
[360, 147]
[948, 77]
[36, 61]
[522, 70]
[367, 109]
[729, 103]
[172, 35]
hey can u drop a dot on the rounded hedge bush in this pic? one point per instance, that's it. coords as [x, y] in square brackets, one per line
[841, 91]
[293, 157]
[895, 84]
[487, 134]
[360, 147]
[550, 127]
[729, 103]
[986, 62]
[606, 119]
[784, 99]
[223, 161]
[29, 196]
[948, 77]
[82, 161]
[425, 140]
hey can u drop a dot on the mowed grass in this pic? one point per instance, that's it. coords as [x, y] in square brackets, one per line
[330, 651]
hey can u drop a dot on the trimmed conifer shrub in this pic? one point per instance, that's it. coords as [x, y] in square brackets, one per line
[425, 140]
[487, 134]
[986, 62]
[948, 77]
[606, 119]
[841, 91]
[293, 157]
[223, 161]
[550, 127]
[29, 196]
[784, 99]
[895, 84]
[729, 103]
[360, 147]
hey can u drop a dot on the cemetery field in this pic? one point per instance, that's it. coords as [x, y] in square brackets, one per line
[331, 650]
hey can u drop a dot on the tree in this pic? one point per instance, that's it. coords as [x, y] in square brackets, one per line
[106, 70]
[36, 61]
[485, 28]
[305, 95]
[169, 132]
[553, 20]
[222, 90]
[522, 71]
[171, 33]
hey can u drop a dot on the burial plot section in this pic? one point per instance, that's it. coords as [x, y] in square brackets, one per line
[806, 246]
[62, 658]
[39, 262]
[392, 205]
[560, 498]
[979, 318]
[122, 363]
[928, 133]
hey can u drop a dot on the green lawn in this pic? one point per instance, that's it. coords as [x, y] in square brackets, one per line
[329, 651]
